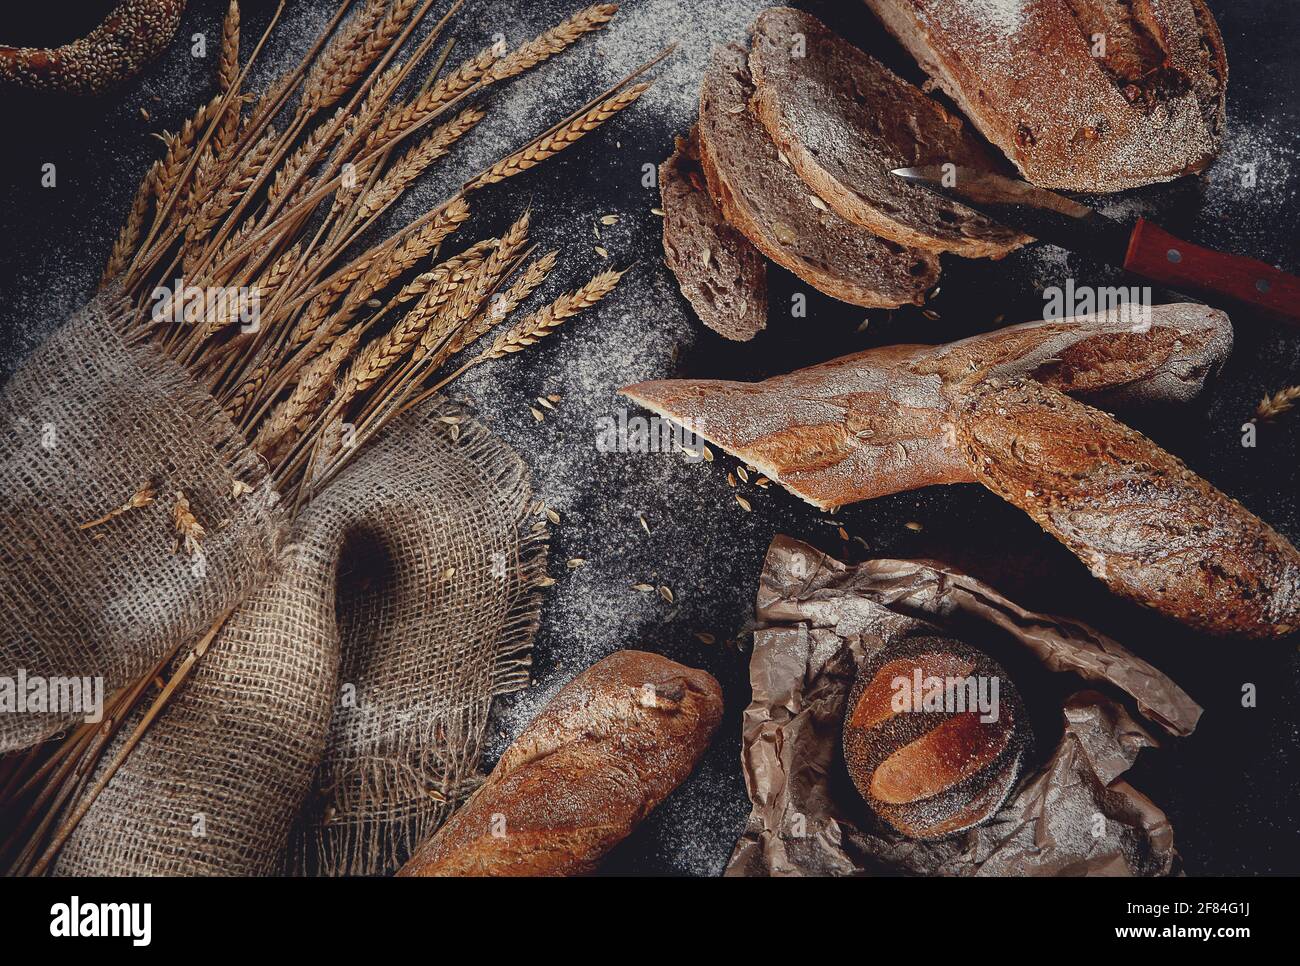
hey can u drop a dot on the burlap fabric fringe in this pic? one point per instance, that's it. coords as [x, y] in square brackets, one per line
[84, 424]
[357, 681]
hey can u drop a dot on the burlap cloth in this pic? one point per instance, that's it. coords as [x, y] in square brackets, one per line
[337, 717]
[1072, 812]
[84, 423]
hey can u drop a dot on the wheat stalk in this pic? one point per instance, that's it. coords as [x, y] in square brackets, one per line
[553, 41]
[1271, 407]
[552, 144]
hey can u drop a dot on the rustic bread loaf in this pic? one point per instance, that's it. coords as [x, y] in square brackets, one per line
[764, 198]
[721, 274]
[1141, 521]
[1086, 95]
[934, 736]
[845, 121]
[880, 421]
[607, 749]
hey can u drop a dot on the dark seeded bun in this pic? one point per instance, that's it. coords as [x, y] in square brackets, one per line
[932, 773]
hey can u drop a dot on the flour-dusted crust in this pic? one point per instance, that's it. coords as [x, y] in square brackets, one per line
[1024, 72]
[881, 421]
[596, 761]
[721, 274]
[1141, 521]
[764, 198]
[845, 121]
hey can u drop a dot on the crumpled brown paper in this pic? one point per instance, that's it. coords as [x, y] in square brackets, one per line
[1071, 813]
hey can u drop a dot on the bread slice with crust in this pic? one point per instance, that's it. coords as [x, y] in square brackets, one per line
[845, 121]
[721, 274]
[1084, 95]
[763, 197]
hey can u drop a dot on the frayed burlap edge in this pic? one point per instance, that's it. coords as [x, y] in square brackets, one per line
[380, 846]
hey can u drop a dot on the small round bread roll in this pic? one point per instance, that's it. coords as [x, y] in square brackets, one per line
[934, 736]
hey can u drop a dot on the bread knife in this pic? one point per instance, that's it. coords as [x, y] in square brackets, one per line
[1145, 249]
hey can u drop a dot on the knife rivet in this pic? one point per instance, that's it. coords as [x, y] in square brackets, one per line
[1175, 255]
[1262, 285]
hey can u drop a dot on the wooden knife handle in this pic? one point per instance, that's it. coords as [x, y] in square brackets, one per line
[1164, 258]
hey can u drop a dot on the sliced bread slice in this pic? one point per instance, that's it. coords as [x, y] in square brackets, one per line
[846, 121]
[762, 196]
[721, 274]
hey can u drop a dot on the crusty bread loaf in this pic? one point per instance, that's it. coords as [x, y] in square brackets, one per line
[845, 121]
[1035, 79]
[934, 736]
[880, 421]
[1141, 521]
[721, 274]
[763, 197]
[607, 749]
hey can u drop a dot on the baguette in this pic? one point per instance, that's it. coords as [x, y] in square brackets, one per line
[605, 752]
[721, 274]
[881, 421]
[1141, 521]
[845, 121]
[764, 199]
[1085, 95]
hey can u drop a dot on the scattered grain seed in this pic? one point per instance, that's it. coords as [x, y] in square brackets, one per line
[545, 403]
[844, 535]
[644, 525]
[609, 220]
[602, 252]
[705, 637]
[537, 413]
[913, 525]
[554, 397]
[575, 562]
[643, 588]
[708, 455]
[666, 594]
[744, 504]
[731, 479]
[657, 211]
[930, 314]
[818, 203]
[743, 474]
[553, 516]
[449, 573]
[763, 481]
[547, 581]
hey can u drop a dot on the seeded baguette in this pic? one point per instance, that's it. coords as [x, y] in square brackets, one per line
[766, 201]
[1141, 521]
[881, 421]
[596, 761]
[1027, 75]
[721, 274]
[845, 121]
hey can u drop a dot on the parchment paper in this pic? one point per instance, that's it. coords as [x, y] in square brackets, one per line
[1071, 813]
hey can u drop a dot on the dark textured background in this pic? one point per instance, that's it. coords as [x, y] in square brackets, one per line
[1230, 789]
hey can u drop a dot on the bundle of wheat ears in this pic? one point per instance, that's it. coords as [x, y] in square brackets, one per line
[279, 195]
[273, 200]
